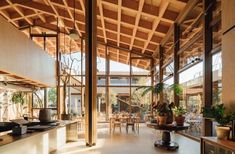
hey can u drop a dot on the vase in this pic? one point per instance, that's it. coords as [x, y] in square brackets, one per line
[45, 115]
[179, 120]
[222, 132]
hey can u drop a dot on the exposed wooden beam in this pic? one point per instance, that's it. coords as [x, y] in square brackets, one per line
[207, 62]
[119, 25]
[190, 5]
[102, 20]
[176, 60]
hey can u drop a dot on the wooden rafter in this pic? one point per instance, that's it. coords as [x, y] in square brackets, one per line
[129, 25]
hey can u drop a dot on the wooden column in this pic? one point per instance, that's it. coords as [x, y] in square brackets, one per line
[160, 69]
[176, 59]
[82, 103]
[58, 59]
[91, 72]
[207, 62]
[130, 62]
[152, 80]
[107, 71]
[45, 97]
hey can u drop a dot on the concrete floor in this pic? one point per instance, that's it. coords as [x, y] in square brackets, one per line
[122, 143]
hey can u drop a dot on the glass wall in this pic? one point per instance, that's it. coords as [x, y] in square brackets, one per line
[120, 88]
[192, 83]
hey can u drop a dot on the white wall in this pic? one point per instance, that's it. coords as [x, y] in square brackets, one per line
[21, 56]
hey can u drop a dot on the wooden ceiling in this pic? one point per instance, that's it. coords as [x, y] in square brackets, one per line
[125, 25]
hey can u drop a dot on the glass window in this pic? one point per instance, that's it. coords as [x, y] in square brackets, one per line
[192, 81]
[217, 77]
[51, 97]
[38, 99]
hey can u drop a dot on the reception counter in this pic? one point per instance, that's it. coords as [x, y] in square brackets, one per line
[42, 142]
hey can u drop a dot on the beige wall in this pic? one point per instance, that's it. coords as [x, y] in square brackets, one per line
[21, 56]
[228, 54]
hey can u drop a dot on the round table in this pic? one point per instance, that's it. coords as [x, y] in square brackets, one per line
[166, 142]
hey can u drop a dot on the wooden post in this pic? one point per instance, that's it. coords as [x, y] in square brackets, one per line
[107, 69]
[82, 76]
[160, 69]
[58, 58]
[152, 81]
[45, 97]
[130, 62]
[176, 60]
[207, 62]
[91, 72]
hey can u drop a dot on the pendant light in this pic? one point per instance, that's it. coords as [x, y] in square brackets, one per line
[73, 34]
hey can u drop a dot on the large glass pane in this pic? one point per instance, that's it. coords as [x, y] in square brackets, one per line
[140, 104]
[118, 68]
[38, 99]
[140, 81]
[52, 97]
[168, 71]
[101, 104]
[119, 81]
[101, 65]
[192, 81]
[101, 80]
[217, 77]
[168, 94]
[119, 99]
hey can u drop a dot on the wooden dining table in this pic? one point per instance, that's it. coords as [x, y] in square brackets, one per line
[123, 119]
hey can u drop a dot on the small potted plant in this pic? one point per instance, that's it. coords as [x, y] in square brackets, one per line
[162, 111]
[179, 113]
[217, 113]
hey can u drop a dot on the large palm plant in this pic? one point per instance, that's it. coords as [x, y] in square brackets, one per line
[159, 87]
[156, 89]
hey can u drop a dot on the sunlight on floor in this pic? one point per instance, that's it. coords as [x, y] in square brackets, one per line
[123, 143]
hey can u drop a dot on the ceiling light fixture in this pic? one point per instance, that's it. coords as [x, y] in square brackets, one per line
[73, 34]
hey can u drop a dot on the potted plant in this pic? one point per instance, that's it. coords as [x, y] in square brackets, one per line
[217, 113]
[177, 88]
[179, 113]
[162, 112]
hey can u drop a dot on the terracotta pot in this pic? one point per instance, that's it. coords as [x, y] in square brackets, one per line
[179, 120]
[161, 120]
[222, 132]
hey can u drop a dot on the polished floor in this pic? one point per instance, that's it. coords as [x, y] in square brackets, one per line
[123, 143]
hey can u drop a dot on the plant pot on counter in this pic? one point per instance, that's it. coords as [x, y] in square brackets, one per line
[161, 120]
[223, 132]
[179, 120]
[45, 115]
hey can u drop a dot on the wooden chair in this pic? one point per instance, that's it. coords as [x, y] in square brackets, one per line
[116, 123]
[130, 122]
[137, 123]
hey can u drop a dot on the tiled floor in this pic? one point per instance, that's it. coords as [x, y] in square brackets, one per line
[122, 143]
